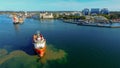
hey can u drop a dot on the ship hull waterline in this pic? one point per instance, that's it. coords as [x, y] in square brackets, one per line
[40, 47]
[40, 51]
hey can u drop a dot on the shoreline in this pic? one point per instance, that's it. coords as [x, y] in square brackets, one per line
[100, 26]
[83, 23]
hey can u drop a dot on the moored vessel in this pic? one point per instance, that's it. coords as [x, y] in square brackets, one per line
[39, 44]
[18, 19]
[15, 20]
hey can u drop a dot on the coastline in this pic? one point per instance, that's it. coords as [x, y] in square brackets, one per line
[84, 23]
[104, 26]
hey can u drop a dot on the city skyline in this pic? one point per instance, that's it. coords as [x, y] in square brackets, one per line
[57, 5]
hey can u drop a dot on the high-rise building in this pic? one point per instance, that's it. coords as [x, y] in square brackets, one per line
[104, 11]
[95, 11]
[85, 11]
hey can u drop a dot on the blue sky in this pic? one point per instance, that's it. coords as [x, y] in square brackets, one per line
[58, 5]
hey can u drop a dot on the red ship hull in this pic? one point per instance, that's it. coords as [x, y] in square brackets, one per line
[40, 52]
[39, 46]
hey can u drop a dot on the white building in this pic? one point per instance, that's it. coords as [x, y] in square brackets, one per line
[46, 15]
[76, 13]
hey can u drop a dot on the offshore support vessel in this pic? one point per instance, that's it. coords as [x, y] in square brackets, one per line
[39, 44]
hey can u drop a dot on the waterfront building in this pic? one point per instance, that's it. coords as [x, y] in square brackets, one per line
[95, 11]
[100, 19]
[104, 11]
[46, 15]
[76, 13]
[67, 13]
[85, 11]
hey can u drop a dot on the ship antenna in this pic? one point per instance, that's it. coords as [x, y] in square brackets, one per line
[38, 33]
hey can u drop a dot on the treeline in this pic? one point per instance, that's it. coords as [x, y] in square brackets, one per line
[71, 17]
[112, 16]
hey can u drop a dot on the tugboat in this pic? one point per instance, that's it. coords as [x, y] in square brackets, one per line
[15, 20]
[18, 19]
[39, 44]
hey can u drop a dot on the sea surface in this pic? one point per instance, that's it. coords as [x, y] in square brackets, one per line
[69, 45]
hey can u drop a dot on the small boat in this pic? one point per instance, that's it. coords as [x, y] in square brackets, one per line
[39, 44]
[21, 20]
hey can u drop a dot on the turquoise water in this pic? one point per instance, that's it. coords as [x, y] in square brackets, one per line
[87, 47]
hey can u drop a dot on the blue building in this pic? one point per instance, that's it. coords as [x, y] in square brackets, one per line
[95, 11]
[104, 11]
[85, 11]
